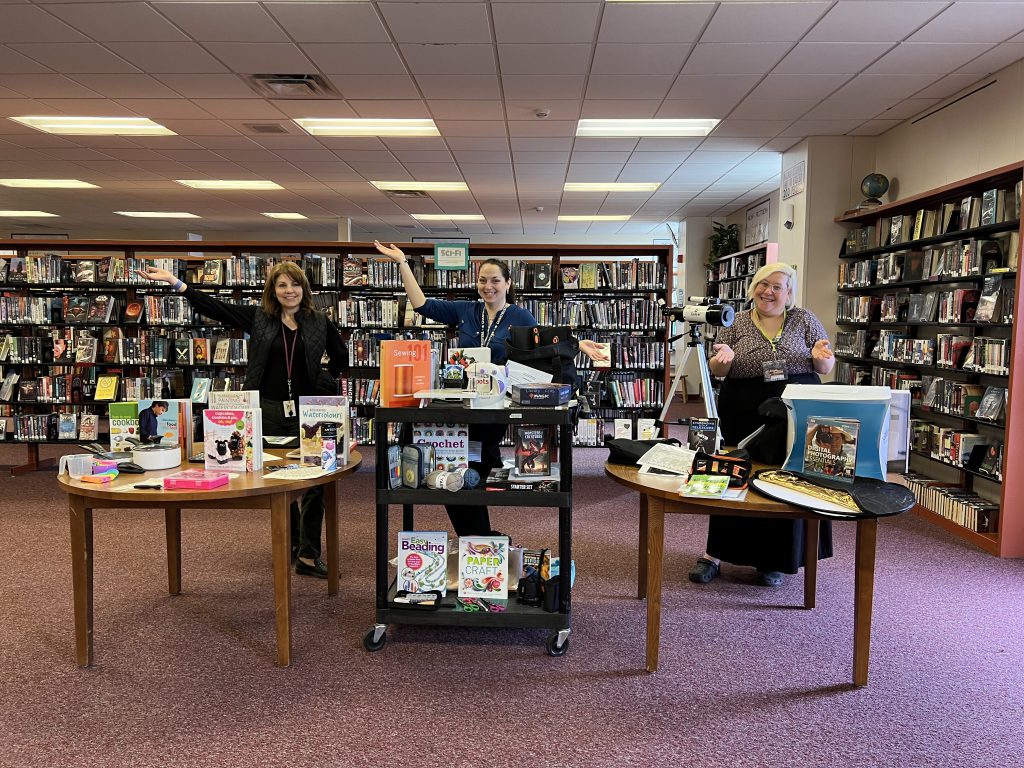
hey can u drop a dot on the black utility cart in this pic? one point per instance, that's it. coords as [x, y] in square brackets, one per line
[516, 614]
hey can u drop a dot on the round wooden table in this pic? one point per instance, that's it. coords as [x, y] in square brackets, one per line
[659, 496]
[246, 490]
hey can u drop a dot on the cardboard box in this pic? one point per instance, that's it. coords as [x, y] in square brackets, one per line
[541, 394]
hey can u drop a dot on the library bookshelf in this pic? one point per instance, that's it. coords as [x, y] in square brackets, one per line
[52, 291]
[929, 300]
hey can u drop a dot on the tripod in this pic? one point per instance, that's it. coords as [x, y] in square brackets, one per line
[695, 342]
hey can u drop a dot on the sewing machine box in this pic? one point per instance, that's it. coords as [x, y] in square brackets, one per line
[867, 405]
[541, 394]
[405, 367]
[450, 442]
[314, 412]
[233, 439]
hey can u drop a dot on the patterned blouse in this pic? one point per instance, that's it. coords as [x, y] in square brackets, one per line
[799, 334]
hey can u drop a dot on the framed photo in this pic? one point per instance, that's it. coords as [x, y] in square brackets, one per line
[758, 218]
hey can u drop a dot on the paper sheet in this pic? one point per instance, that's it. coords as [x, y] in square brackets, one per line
[669, 458]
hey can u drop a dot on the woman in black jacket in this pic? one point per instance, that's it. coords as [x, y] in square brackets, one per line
[287, 340]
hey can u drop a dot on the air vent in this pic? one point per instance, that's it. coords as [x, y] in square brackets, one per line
[266, 127]
[406, 193]
[293, 87]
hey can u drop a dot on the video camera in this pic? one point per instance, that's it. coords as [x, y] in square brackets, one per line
[702, 309]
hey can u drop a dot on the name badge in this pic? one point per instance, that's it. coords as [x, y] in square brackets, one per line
[774, 370]
[289, 408]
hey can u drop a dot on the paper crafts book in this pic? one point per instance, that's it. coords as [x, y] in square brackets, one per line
[483, 566]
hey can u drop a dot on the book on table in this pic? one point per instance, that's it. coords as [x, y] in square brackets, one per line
[830, 450]
[705, 486]
[233, 439]
[323, 430]
[124, 425]
[423, 561]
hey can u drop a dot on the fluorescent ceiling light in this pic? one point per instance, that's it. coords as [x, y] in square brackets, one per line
[447, 216]
[285, 216]
[94, 126]
[614, 186]
[593, 218]
[47, 184]
[157, 214]
[229, 184]
[423, 186]
[681, 127]
[329, 126]
[25, 214]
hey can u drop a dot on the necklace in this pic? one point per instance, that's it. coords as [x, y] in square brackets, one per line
[485, 337]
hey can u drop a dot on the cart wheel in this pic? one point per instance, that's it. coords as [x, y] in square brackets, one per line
[554, 649]
[374, 645]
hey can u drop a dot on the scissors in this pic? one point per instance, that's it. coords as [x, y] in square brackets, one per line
[470, 604]
[490, 606]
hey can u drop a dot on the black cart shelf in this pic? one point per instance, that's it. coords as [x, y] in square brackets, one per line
[516, 614]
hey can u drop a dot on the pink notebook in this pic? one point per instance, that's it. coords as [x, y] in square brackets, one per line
[196, 479]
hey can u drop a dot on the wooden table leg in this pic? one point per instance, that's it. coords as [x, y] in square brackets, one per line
[863, 596]
[81, 576]
[641, 577]
[655, 535]
[812, 529]
[280, 528]
[333, 549]
[172, 530]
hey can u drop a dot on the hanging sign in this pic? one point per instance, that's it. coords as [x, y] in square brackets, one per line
[451, 256]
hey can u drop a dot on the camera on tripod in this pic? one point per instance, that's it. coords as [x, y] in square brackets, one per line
[703, 309]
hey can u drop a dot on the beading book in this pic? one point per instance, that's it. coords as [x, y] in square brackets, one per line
[423, 561]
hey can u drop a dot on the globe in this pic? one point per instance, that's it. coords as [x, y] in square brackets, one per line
[874, 185]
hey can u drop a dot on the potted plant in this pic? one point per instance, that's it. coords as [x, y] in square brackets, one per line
[725, 239]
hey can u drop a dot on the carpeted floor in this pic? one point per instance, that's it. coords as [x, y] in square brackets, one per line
[746, 678]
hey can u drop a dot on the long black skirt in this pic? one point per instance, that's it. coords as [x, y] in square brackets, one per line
[764, 543]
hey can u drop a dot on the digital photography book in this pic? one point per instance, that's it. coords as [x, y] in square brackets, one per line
[830, 450]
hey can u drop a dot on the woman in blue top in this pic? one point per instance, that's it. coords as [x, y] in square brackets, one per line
[483, 323]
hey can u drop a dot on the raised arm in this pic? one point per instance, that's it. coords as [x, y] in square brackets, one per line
[412, 288]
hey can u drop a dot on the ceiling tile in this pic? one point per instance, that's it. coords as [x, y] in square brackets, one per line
[772, 109]
[653, 23]
[46, 86]
[76, 57]
[26, 24]
[766, 22]
[437, 22]
[829, 59]
[108, 22]
[422, 143]
[728, 143]
[470, 144]
[712, 86]
[841, 109]
[744, 128]
[814, 87]
[459, 86]
[631, 59]
[850, 22]
[680, 144]
[208, 86]
[620, 109]
[125, 86]
[318, 22]
[734, 58]
[948, 86]
[12, 62]
[356, 58]
[592, 173]
[590, 144]
[469, 156]
[471, 128]
[895, 86]
[542, 143]
[613, 87]
[908, 108]
[449, 59]
[94, 107]
[543, 86]
[158, 109]
[561, 109]
[319, 108]
[168, 58]
[239, 109]
[821, 127]
[710, 107]
[544, 59]
[267, 58]
[541, 128]
[994, 59]
[620, 157]
[562, 22]
[224, 22]
[979, 22]
[450, 109]
[874, 127]
[926, 58]
[375, 86]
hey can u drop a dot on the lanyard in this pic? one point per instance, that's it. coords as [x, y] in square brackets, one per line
[289, 354]
[757, 323]
[485, 338]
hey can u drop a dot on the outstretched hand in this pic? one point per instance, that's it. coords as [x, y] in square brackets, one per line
[821, 350]
[594, 351]
[392, 251]
[724, 354]
[155, 273]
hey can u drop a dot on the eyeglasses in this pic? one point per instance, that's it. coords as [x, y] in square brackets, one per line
[764, 286]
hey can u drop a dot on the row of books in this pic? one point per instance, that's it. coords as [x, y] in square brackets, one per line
[955, 503]
[894, 347]
[958, 447]
[982, 354]
[965, 258]
[54, 269]
[631, 391]
[736, 266]
[59, 425]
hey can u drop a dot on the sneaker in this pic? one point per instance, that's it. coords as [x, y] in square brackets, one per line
[704, 571]
[318, 569]
[770, 578]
